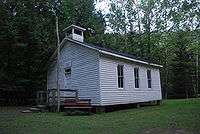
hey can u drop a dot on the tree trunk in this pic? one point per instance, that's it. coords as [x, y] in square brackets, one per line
[197, 74]
[58, 66]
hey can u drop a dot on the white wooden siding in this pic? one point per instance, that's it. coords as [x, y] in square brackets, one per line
[94, 75]
[51, 76]
[84, 71]
[112, 95]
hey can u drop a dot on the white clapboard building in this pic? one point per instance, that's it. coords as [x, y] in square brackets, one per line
[104, 76]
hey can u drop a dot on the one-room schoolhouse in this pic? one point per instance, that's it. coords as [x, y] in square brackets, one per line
[104, 76]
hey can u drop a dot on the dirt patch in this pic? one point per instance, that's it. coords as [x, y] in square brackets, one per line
[9, 113]
[15, 110]
[166, 131]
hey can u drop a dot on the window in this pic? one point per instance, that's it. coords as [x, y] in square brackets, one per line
[136, 74]
[68, 72]
[120, 74]
[77, 32]
[149, 78]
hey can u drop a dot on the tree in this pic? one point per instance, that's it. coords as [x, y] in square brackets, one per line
[152, 27]
[83, 13]
[28, 37]
[182, 67]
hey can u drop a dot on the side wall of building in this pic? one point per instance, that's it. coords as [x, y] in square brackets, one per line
[84, 77]
[51, 76]
[112, 95]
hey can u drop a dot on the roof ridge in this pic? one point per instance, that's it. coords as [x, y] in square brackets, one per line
[108, 51]
[124, 53]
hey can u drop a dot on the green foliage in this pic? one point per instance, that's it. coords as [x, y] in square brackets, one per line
[28, 37]
[26, 31]
[182, 67]
[83, 13]
[152, 29]
[147, 28]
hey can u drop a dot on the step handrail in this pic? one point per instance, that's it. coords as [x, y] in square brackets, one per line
[65, 90]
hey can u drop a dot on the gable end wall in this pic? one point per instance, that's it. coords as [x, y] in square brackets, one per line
[84, 71]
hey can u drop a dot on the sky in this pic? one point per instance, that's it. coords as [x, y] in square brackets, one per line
[103, 6]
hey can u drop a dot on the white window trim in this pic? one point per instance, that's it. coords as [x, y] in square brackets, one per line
[135, 78]
[68, 65]
[120, 88]
[149, 79]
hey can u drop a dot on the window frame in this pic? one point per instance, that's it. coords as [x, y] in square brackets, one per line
[68, 66]
[136, 78]
[120, 76]
[69, 73]
[149, 79]
[78, 32]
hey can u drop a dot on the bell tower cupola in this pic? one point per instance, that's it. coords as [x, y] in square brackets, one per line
[74, 32]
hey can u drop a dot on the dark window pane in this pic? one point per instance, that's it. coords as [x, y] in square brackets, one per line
[137, 83]
[136, 74]
[149, 74]
[119, 83]
[77, 32]
[120, 76]
[149, 83]
[118, 70]
[122, 83]
[149, 78]
[122, 71]
[67, 72]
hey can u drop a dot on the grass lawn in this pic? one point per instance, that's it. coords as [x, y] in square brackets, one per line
[171, 117]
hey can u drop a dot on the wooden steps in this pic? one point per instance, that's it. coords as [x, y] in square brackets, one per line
[73, 105]
[77, 107]
[76, 103]
[69, 101]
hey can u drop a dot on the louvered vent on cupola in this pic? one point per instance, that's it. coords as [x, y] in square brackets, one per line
[74, 32]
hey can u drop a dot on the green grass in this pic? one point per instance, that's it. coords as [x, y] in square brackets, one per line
[171, 115]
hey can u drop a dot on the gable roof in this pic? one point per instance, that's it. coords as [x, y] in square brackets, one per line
[74, 26]
[110, 52]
